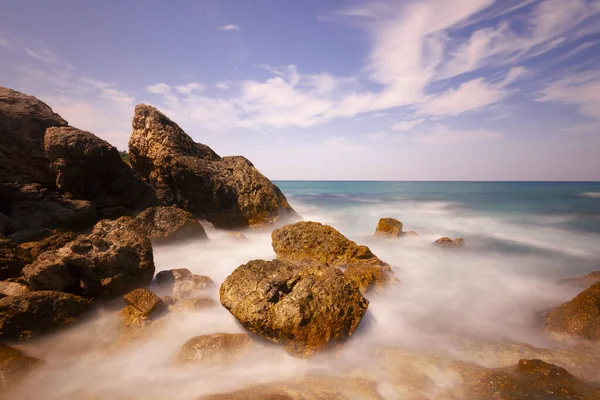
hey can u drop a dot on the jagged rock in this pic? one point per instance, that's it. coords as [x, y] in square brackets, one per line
[579, 317]
[34, 313]
[110, 261]
[12, 289]
[12, 258]
[334, 388]
[194, 304]
[582, 281]
[167, 224]
[303, 309]
[367, 277]
[529, 379]
[23, 123]
[145, 301]
[321, 243]
[55, 241]
[388, 228]
[447, 242]
[14, 364]
[219, 348]
[188, 285]
[229, 192]
[166, 279]
[91, 169]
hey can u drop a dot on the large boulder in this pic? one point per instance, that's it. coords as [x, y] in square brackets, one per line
[23, 123]
[229, 191]
[168, 224]
[110, 261]
[579, 317]
[216, 348]
[304, 309]
[12, 258]
[34, 313]
[91, 169]
[14, 364]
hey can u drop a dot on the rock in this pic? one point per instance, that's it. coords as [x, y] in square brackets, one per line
[409, 234]
[529, 379]
[133, 318]
[194, 304]
[145, 301]
[12, 289]
[367, 277]
[582, 281]
[229, 192]
[23, 123]
[321, 243]
[14, 364]
[334, 388]
[168, 224]
[55, 241]
[388, 228]
[220, 347]
[303, 309]
[35, 313]
[447, 242]
[89, 168]
[166, 279]
[238, 236]
[110, 261]
[188, 285]
[12, 258]
[579, 317]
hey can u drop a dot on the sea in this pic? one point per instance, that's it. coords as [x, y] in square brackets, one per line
[521, 238]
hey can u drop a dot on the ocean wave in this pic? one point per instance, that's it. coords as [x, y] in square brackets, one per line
[590, 195]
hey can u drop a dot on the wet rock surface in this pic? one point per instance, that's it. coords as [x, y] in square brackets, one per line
[217, 348]
[34, 313]
[579, 317]
[304, 310]
[229, 192]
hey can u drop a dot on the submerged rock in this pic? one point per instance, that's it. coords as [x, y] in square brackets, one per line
[409, 234]
[239, 236]
[14, 364]
[189, 285]
[303, 309]
[194, 304]
[388, 228]
[166, 279]
[582, 281]
[229, 192]
[12, 258]
[220, 347]
[89, 168]
[579, 317]
[110, 261]
[34, 313]
[168, 224]
[447, 242]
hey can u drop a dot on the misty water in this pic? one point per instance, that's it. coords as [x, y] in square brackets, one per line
[520, 240]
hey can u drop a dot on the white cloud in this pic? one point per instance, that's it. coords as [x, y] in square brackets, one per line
[407, 125]
[377, 135]
[580, 90]
[4, 42]
[514, 74]
[223, 85]
[159, 88]
[442, 135]
[189, 88]
[342, 144]
[230, 27]
[44, 55]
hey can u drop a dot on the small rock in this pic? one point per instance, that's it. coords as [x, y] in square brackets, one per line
[14, 364]
[220, 347]
[12, 289]
[188, 285]
[447, 242]
[145, 301]
[166, 279]
[239, 236]
[388, 228]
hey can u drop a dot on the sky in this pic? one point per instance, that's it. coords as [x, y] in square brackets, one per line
[312, 89]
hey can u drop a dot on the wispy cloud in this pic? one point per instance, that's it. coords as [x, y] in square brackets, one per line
[44, 55]
[230, 27]
[407, 125]
[580, 90]
[4, 42]
[443, 135]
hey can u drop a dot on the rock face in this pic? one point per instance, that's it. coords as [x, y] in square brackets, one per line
[368, 277]
[12, 289]
[23, 123]
[388, 228]
[53, 242]
[34, 313]
[167, 224]
[91, 169]
[220, 347]
[12, 258]
[229, 191]
[110, 261]
[14, 364]
[447, 242]
[579, 317]
[303, 309]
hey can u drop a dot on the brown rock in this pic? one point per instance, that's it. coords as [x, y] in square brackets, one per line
[388, 228]
[304, 310]
[220, 347]
[239, 236]
[367, 277]
[145, 301]
[12, 258]
[167, 224]
[166, 279]
[447, 242]
[579, 317]
[12, 289]
[110, 261]
[55, 241]
[582, 281]
[229, 192]
[14, 364]
[34, 313]
[188, 285]
[194, 304]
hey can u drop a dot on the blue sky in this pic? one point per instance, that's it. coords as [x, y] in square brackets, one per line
[390, 90]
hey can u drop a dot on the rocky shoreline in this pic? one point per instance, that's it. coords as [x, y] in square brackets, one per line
[78, 227]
